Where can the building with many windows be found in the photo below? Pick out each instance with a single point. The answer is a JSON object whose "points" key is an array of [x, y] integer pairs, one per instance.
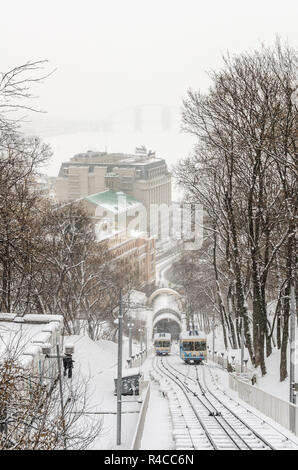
{"points": [[137, 251], [142, 176], [115, 224]]}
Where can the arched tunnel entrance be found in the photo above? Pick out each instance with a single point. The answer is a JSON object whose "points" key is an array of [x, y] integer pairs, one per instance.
{"points": [[167, 325], [167, 307]]}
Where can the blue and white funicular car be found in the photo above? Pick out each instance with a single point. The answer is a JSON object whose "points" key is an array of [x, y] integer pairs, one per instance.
{"points": [[193, 347]]}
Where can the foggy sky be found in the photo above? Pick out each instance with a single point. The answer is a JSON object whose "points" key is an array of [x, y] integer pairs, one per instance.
{"points": [[113, 54]]}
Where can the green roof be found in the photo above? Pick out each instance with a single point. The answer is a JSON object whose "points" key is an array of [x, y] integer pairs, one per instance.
{"points": [[111, 199]]}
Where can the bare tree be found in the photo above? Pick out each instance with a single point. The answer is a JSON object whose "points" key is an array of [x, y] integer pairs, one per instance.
{"points": [[30, 414], [244, 173]]}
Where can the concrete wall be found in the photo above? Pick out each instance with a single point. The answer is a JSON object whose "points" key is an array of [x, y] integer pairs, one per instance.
{"points": [[137, 439], [280, 411]]}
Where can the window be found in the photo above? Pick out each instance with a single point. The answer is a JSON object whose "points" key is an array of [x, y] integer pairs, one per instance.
{"points": [[200, 345], [194, 345], [162, 344]]}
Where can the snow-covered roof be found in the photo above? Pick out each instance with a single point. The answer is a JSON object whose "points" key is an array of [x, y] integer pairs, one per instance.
{"points": [[136, 297], [114, 202], [7, 316], [24, 336], [38, 318], [42, 337], [52, 326], [193, 335]]}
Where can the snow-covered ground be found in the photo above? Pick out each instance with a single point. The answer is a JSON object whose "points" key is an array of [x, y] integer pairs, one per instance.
{"points": [[222, 380], [157, 430], [162, 267], [97, 362], [270, 382]]}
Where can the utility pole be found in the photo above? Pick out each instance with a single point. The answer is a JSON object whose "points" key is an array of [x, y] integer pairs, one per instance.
{"points": [[46, 349], [61, 394], [119, 374], [292, 356], [213, 336], [141, 339], [141, 344], [292, 342], [242, 345], [130, 327]]}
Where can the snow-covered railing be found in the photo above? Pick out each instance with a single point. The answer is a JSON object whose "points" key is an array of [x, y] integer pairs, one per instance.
{"points": [[280, 411], [223, 362], [136, 442], [138, 361]]}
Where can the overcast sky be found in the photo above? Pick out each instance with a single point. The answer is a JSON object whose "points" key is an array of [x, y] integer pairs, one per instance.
{"points": [[114, 54]]}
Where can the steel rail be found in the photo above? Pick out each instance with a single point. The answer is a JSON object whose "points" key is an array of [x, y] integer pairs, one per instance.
{"points": [[255, 433], [216, 414], [186, 425]]}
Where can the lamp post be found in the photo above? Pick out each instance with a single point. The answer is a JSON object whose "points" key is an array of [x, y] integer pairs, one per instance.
{"points": [[119, 371], [130, 327], [69, 350], [292, 356], [213, 335], [242, 345], [141, 344], [141, 338]]}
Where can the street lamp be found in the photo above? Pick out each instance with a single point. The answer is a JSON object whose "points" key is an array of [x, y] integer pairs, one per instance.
{"points": [[292, 338], [213, 336], [242, 344], [130, 327], [119, 371], [68, 365], [141, 331], [146, 341]]}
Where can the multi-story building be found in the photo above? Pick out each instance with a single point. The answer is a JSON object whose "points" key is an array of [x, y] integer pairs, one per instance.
{"points": [[112, 225], [115, 210], [144, 177], [137, 251]]}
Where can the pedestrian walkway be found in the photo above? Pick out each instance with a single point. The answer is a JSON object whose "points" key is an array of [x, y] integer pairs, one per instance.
{"points": [[157, 434]]}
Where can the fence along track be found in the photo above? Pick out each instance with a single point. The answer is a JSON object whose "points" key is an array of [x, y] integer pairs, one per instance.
{"points": [[273, 439], [281, 441], [245, 432], [209, 419], [217, 427]]}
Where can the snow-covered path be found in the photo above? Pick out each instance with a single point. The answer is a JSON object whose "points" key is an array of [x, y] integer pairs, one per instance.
{"points": [[97, 363], [157, 434], [162, 267]]}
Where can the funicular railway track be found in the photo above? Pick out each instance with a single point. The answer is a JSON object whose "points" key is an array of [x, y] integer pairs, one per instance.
{"points": [[277, 439], [203, 420]]}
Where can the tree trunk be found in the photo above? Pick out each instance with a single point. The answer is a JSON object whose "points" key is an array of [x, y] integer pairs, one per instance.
{"points": [[290, 274]]}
